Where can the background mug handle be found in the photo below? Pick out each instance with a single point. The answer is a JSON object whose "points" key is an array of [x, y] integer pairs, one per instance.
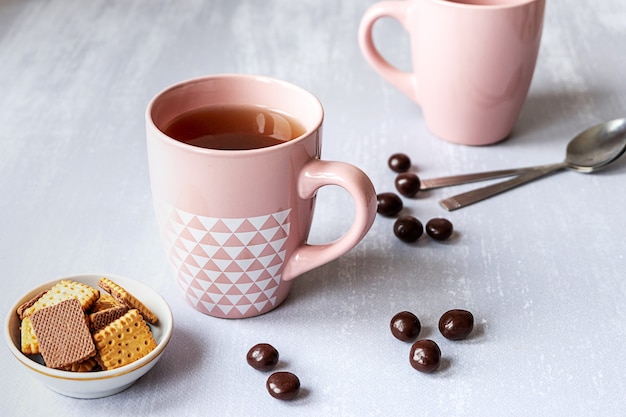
{"points": [[316, 174], [402, 80]]}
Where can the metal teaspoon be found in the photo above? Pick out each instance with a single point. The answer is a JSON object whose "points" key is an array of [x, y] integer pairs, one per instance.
{"points": [[590, 150]]}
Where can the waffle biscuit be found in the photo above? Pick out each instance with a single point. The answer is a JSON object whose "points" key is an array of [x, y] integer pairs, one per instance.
{"points": [[124, 341], [65, 290], [29, 343], [63, 335], [88, 365], [29, 303], [127, 299], [101, 318]]}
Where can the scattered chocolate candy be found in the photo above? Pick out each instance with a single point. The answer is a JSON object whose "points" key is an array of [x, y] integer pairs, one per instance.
{"points": [[425, 356], [439, 229], [283, 385], [405, 326], [408, 229], [399, 162], [389, 204], [262, 356], [456, 324], [407, 184]]}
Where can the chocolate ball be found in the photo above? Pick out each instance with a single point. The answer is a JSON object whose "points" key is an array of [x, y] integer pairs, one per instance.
{"points": [[262, 356], [425, 356], [408, 229], [439, 229], [283, 385], [405, 326], [389, 204], [399, 162], [456, 324], [407, 184]]}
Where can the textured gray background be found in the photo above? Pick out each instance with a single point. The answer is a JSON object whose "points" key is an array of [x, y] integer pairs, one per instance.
{"points": [[542, 267]]}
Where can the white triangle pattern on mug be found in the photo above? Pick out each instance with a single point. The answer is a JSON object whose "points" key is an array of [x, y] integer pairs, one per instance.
{"points": [[230, 264]]}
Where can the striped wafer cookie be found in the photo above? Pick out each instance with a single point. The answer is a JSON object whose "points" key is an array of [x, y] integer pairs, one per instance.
{"points": [[124, 341], [88, 365], [104, 311], [29, 303], [65, 290], [63, 335], [101, 318], [127, 299]]}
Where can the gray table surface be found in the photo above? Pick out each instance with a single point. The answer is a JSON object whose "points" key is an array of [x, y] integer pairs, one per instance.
{"points": [[542, 267]]}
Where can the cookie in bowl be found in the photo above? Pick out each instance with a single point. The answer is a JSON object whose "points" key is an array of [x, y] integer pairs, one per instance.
{"points": [[89, 335]]}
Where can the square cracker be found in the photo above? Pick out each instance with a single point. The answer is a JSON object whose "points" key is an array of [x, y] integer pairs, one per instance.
{"points": [[64, 338], [65, 290], [127, 299], [124, 341], [105, 302], [29, 343]]}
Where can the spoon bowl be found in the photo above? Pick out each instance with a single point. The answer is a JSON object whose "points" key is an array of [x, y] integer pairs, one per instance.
{"points": [[597, 146]]}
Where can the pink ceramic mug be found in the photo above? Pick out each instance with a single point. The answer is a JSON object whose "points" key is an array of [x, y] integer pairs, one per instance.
{"points": [[473, 61], [235, 222]]}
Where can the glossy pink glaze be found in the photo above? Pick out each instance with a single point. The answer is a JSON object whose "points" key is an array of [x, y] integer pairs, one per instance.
{"points": [[235, 223], [473, 62]]}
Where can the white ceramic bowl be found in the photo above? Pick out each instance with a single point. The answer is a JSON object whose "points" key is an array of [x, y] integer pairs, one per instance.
{"points": [[98, 383]]}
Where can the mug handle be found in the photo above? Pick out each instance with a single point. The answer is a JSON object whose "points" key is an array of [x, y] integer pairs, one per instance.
{"points": [[314, 175], [403, 81]]}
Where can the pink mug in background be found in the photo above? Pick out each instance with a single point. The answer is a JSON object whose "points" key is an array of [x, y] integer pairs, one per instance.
{"points": [[235, 223], [473, 62]]}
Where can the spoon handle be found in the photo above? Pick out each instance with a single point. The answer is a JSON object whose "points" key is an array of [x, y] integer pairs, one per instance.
{"points": [[474, 196], [431, 183]]}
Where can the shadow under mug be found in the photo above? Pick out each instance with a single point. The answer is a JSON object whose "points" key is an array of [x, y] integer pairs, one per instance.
{"points": [[473, 62], [235, 223]]}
